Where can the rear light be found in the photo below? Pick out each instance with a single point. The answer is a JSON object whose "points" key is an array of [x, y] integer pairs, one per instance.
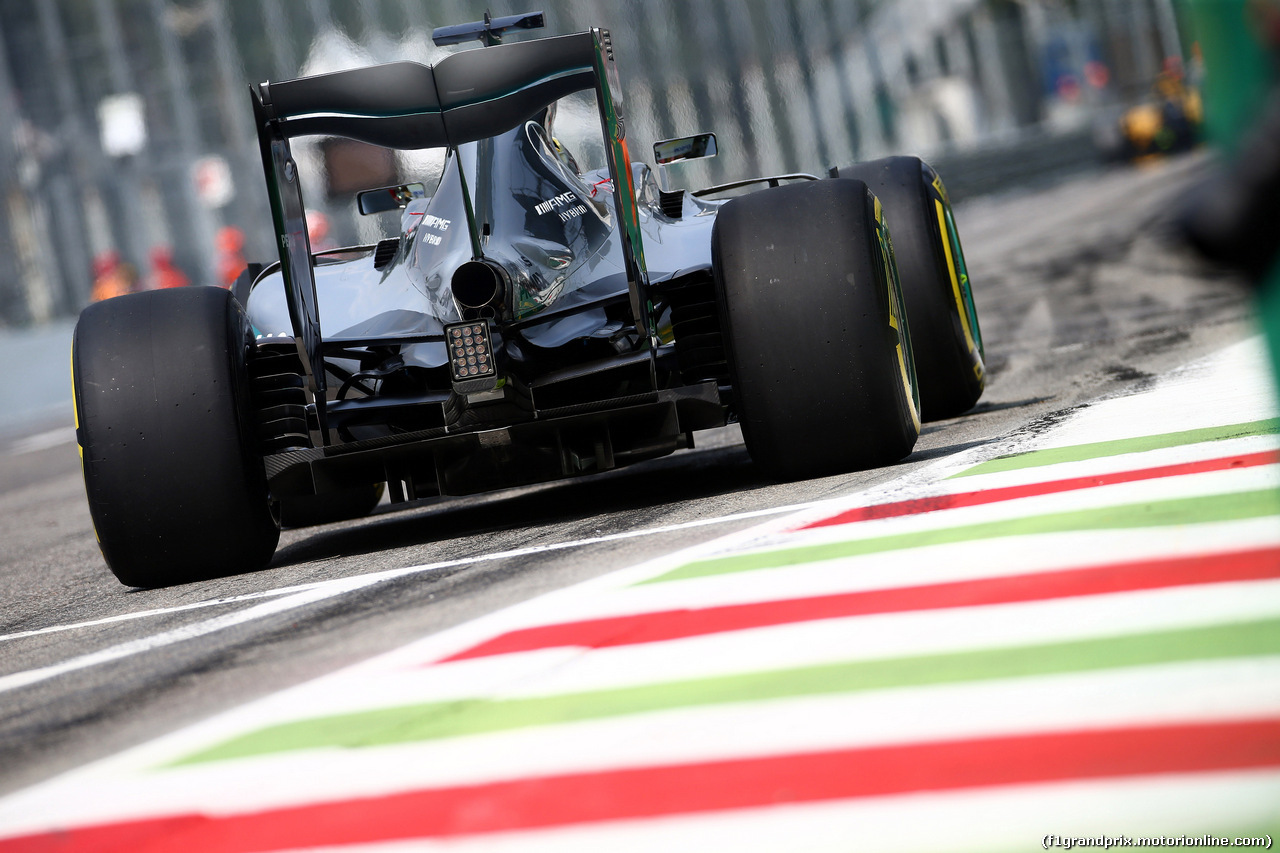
{"points": [[471, 362]]}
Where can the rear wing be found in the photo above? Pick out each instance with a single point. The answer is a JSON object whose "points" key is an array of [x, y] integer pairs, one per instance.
{"points": [[465, 97]]}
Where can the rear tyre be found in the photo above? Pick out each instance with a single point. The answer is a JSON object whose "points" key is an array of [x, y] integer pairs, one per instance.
{"points": [[244, 283], [310, 510], [815, 332], [175, 484], [935, 282]]}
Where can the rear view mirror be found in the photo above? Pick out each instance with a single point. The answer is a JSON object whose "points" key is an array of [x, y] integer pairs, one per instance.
{"points": [[685, 148], [389, 198]]}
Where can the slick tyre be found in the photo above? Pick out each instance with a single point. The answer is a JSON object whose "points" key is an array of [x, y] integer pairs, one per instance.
{"points": [[816, 336], [244, 283], [935, 282], [175, 484], [310, 510]]}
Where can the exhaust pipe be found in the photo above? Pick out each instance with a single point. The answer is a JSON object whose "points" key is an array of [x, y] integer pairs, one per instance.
{"points": [[479, 289]]}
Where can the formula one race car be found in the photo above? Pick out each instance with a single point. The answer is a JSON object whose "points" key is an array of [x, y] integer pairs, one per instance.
{"points": [[528, 322]]}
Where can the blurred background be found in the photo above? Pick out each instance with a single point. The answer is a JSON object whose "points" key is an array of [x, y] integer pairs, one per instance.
{"points": [[127, 146]]}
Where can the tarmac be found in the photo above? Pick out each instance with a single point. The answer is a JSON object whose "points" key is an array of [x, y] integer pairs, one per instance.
{"points": [[1072, 633]]}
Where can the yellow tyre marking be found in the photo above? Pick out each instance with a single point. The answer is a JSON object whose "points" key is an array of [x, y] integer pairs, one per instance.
{"points": [[894, 308], [942, 191], [955, 282], [75, 406], [902, 364], [75, 414]]}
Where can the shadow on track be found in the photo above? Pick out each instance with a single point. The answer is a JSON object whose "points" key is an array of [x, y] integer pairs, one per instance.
{"points": [[644, 487]]}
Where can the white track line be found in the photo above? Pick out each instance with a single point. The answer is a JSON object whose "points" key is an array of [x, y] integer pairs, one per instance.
{"points": [[168, 638], [161, 611], [304, 594]]}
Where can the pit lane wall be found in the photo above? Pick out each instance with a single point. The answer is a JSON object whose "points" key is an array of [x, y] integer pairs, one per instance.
{"points": [[1072, 633]]}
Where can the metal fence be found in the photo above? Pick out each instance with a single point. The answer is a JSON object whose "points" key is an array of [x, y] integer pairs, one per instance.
{"points": [[129, 128]]}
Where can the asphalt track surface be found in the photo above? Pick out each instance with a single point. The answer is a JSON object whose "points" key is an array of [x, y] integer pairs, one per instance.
{"points": [[1081, 296]]}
